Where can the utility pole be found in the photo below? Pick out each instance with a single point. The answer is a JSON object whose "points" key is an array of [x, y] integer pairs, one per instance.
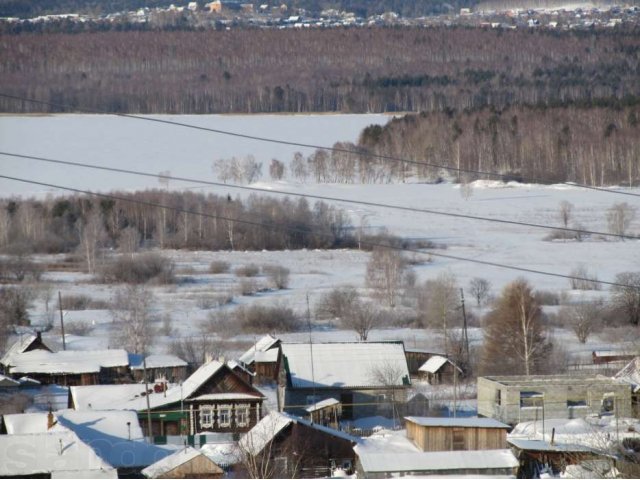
{"points": [[464, 330], [64, 344], [146, 388], [313, 378]]}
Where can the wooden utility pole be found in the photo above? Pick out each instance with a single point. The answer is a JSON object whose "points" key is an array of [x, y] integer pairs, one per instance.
{"points": [[464, 330], [64, 344]]}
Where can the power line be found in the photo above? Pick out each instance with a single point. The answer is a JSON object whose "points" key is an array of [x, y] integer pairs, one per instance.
{"points": [[317, 197], [319, 233], [302, 145]]}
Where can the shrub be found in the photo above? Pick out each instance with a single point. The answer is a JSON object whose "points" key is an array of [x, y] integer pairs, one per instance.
{"points": [[214, 300], [147, 267], [82, 302], [250, 286], [219, 266], [250, 270], [260, 319], [278, 276], [585, 280], [81, 328], [546, 297]]}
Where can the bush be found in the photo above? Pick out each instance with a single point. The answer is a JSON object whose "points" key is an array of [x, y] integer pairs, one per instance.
{"points": [[219, 266], [147, 267], [546, 297], [585, 280], [278, 276], [81, 328], [250, 286], [82, 302], [214, 300], [250, 270], [260, 319]]}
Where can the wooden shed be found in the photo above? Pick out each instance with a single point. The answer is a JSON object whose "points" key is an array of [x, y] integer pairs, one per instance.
{"points": [[433, 434], [185, 463]]}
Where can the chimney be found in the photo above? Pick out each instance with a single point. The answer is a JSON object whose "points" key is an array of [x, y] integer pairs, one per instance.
{"points": [[39, 336]]}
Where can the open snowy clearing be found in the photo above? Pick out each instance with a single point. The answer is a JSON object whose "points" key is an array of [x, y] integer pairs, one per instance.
{"points": [[144, 146]]}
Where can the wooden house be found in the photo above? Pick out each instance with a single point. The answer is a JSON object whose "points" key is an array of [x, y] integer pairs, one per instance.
{"points": [[27, 343], [167, 367], [185, 463], [262, 358], [416, 357], [535, 455], [367, 378], [242, 371], [611, 356], [434, 434], [438, 370], [285, 446], [212, 399]]}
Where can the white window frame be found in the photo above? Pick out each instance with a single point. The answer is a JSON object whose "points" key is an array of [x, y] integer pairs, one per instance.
{"points": [[229, 411], [243, 408], [206, 411]]}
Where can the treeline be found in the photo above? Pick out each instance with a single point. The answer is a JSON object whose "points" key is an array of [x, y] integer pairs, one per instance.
{"points": [[594, 146], [314, 70], [87, 225]]}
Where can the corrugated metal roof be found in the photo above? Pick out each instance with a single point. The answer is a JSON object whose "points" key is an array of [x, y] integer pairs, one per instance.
{"points": [[475, 422], [346, 365], [437, 461]]}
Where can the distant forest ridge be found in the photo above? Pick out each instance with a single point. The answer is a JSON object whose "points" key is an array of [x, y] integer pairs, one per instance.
{"points": [[363, 8], [317, 70]]}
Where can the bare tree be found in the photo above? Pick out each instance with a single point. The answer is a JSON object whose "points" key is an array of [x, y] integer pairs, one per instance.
{"points": [[298, 167], [131, 313], [479, 288], [515, 340], [129, 240], [389, 375], [362, 317], [582, 279], [222, 170], [385, 274], [276, 169], [619, 217], [565, 211], [627, 295], [278, 276], [92, 237], [440, 305], [336, 303], [251, 170], [583, 318]]}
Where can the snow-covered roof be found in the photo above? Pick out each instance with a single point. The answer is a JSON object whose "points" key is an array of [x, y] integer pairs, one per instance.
{"points": [[262, 345], [61, 454], [225, 396], [20, 346], [177, 393], [435, 363], [223, 454], [232, 364], [543, 446], [270, 356], [104, 397], [8, 382], [266, 430], [346, 365], [436, 461], [155, 361], [630, 374], [68, 361], [322, 404], [173, 461], [470, 422]]}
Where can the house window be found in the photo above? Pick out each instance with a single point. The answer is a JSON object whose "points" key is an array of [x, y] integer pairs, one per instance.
{"points": [[224, 415], [531, 399], [242, 414], [206, 416]]}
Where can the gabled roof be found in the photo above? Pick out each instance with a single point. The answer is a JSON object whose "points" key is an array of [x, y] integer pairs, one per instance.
{"points": [[176, 459], [346, 365], [155, 361], [103, 397], [21, 346], [61, 454], [8, 382], [254, 441], [437, 461], [468, 422], [68, 361], [435, 363], [262, 345], [630, 374]]}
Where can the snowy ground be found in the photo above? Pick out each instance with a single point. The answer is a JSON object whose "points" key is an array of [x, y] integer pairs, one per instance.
{"points": [[145, 146]]}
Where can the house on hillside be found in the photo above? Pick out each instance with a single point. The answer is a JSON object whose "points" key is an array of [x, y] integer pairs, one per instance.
{"points": [[438, 370], [368, 378], [262, 358], [435, 434], [518, 398], [71, 367], [168, 367], [212, 399], [285, 446]]}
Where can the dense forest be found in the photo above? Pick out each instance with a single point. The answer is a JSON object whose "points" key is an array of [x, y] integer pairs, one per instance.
{"points": [[333, 70], [593, 146]]}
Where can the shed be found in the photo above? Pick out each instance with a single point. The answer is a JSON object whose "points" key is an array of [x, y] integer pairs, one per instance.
{"points": [[416, 357], [185, 463], [169, 367], [432, 434], [326, 412], [535, 454], [439, 369]]}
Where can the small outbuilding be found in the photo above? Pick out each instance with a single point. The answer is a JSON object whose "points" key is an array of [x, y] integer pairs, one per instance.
{"points": [[185, 463], [435, 434], [439, 370]]}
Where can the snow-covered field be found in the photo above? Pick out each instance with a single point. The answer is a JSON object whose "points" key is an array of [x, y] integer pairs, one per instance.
{"points": [[153, 148]]}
